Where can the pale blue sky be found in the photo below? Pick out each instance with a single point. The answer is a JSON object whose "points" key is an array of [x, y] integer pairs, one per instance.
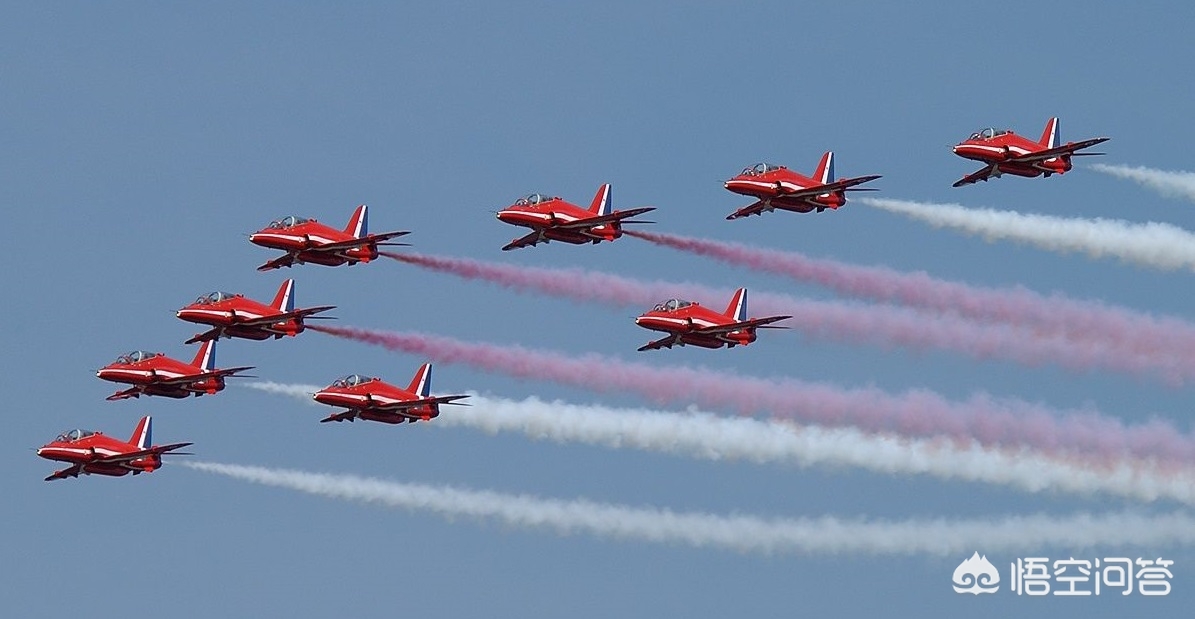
{"points": [[141, 141]]}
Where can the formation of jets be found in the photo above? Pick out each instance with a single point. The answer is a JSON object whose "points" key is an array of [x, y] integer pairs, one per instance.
{"points": [[305, 240]]}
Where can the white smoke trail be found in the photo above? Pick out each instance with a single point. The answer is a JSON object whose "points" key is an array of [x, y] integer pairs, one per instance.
{"points": [[1152, 244], [708, 436], [824, 535], [1165, 182]]}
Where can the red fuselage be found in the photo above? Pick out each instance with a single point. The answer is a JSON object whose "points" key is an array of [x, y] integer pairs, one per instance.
{"points": [[688, 317], [997, 146], [375, 400], [547, 215], [303, 238], [157, 374], [92, 446], [769, 184]]}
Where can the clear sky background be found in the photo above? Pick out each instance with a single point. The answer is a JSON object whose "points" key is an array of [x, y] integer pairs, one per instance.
{"points": [[141, 142]]}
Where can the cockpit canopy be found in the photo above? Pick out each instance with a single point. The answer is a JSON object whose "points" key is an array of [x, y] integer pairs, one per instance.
{"points": [[73, 435], [352, 380], [214, 297], [287, 222], [760, 168], [533, 199], [987, 134], [135, 356], [671, 305]]}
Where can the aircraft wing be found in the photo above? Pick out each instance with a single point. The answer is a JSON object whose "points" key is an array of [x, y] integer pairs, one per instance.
{"points": [[278, 263], [736, 326], [351, 243], [975, 177], [664, 342], [72, 471], [1065, 149], [750, 209], [284, 316], [408, 404], [191, 378], [349, 415], [140, 453], [838, 185], [590, 222], [124, 395], [211, 334], [529, 240]]}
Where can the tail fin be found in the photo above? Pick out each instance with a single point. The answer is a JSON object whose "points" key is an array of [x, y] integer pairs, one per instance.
{"points": [[825, 169], [601, 201], [143, 433], [1051, 136], [359, 222], [421, 384], [206, 357], [284, 301], [738, 306]]}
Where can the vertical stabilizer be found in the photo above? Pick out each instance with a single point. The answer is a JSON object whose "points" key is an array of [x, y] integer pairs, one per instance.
{"points": [[737, 310], [421, 384], [359, 222], [206, 357], [284, 301], [825, 169], [1050, 137], [601, 201], [143, 433]]}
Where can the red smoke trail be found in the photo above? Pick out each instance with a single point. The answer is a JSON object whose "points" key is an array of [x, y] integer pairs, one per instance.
{"points": [[1139, 332], [981, 418], [885, 325]]}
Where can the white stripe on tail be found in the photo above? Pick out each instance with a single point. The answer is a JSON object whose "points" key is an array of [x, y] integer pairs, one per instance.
{"points": [[738, 306], [421, 384], [206, 357], [825, 169], [1050, 137], [359, 222], [601, 201], [143, 433], [284, 301]]}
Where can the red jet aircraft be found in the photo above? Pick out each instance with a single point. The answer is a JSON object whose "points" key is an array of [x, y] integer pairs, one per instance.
{"points": [[687, 322], [375, 400], [553, 219], [232, 315], [1005, 152], [777, 187], [307, 240], [94, 453], [153, 373]]}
